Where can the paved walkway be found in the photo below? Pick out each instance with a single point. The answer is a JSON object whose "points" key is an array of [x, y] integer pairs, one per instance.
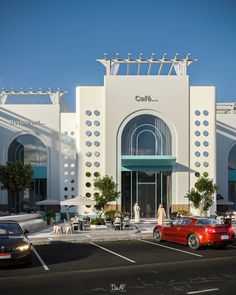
{"points": [[47, 235]]}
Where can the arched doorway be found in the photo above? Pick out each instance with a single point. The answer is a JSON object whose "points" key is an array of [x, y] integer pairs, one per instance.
{"points": [[232, 175], [30, 150], [146, 165]]}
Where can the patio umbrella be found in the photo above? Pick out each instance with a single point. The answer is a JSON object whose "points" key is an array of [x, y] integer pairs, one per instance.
{"points": [[78, 201], [49, 202]]}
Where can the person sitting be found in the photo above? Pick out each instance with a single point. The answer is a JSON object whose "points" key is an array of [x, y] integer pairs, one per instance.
{"points": [[75, 222]]}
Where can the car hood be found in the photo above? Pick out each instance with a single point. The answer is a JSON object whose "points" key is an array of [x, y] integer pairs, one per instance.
{"points": [[13, 241]]}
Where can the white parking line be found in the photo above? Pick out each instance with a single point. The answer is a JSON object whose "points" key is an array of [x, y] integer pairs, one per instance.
{"points": [[132, 261], [198, 255], [203, 291], [40, 259], [88, 236], [133, 235], [231, 246]]}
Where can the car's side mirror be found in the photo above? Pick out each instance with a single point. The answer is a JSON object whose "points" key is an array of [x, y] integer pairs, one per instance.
{"points": [[26, 231]]}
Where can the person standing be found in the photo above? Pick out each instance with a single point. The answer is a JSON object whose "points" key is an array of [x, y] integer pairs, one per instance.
{"points": [[161, 215], [136, 213]]}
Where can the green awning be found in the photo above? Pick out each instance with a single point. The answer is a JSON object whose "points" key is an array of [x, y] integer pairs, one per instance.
{"points": [[142, 162]]}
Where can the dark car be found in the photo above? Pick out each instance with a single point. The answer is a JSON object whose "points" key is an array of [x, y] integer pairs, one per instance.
{"points": [[195, 232], [15, 247]]}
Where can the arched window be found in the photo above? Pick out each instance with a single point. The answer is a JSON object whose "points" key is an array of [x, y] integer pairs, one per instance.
{"points": [[146, 135], [29, 150]]}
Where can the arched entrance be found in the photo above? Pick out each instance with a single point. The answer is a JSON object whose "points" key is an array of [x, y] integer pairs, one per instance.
{"points": [[30, 150], [146, 165], [232, 176]]}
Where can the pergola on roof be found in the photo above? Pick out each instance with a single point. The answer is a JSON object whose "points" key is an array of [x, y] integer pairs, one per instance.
{"points": [[178, 66]]}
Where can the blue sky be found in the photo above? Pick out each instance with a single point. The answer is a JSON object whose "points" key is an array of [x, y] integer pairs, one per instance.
{"points": [[55, 43]]}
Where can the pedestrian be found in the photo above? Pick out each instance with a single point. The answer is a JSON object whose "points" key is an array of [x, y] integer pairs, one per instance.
{"points": [[161, 215]]}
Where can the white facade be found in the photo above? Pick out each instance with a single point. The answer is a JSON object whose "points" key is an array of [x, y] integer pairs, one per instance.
{"points": [[152, 133]]}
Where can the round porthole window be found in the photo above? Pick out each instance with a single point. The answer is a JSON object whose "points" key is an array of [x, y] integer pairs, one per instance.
{"points": [[197, 143], [96, 113], [205, 164], [205, 113], [88, 184], [65, 196], [72, 165], [197, 133], [88, 164], [197, 174], [66, 173], [205, 154], [197, 164], [197, 154], [205, 133], [197, 123], [66, 133], [96, 154], [88, 133], [88, 154], [96, 143], [96, 133], [66, 165], [96, 123], [205, 143], [197, 113], [66, 188], [88, 195], [88, 113], [96, 174], [72, 180], [96, 164], [88, 143], [72, 133], [88, 123], [205, 123]]}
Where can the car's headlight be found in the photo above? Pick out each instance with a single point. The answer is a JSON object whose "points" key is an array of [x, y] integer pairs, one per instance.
{"points": [[23, 247]]}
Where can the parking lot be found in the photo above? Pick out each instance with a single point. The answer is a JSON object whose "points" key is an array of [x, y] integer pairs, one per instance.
{"points": [[128, 266]]}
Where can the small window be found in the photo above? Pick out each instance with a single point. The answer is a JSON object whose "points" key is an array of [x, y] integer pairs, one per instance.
{"points": [[205, 133], [96, 123], [197, 133], [88, 123], [96, 133], [96, 113], [88, 113], [205, 113], [197, 113], [197, 143], [88, 133], [197, 154], [197, 123], [205, 143], [205, 154], [186, 221], [96, 143], [205, 123]]}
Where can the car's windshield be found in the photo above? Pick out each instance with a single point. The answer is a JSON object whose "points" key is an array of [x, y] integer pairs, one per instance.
{"points": [[207, 221], [8, 229]]}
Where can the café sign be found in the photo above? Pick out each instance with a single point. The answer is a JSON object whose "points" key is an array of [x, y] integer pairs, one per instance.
{"points": [[146, 98], [25, 123]]}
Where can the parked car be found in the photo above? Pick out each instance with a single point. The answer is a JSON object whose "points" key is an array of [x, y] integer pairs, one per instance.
{"points": [[196, 232], [15, 247]]}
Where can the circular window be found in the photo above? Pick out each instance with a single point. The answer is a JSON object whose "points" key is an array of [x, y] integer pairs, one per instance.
{"points": [[205, 123], [65, 157], [66, 165], [96, 154], [72, 189], [88, 123], [88, 174], [205, 154], [96, 113], [72, 133], [72, 173], [197, 123], [197, 113], [88, 184], [96, 133], [197, 154], [88, 133], [88, 113], [96, 143], [88, 164], [66, 173], [72, 196], [205, 164], [205, 133], [66, 180], [72, 165], [96, 164], [197, 143], [88, 143], [205, 113], [66, 188], [88, 154], [197, 174], [66, 133], [72, 180], [96, 174], [65, 196], [88, 195], [205, 143], [72, 157], [197, 133], [197, 164], [96, 123], [96, 194]]}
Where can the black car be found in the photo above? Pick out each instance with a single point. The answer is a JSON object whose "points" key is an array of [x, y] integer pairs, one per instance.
{"points": [[15, 247]]}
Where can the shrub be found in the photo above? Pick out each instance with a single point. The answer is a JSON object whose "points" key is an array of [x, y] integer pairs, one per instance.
{"points": [[110, 215], [98, 221]]}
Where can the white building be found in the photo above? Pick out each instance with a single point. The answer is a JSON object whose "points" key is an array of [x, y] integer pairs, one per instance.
{"points": [[146, 127]]}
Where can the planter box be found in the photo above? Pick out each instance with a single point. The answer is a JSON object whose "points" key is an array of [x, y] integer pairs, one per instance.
{"points": [[94, 226]]}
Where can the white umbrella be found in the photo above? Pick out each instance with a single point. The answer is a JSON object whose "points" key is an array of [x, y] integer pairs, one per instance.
{"points": [[78, 201], [48, 202]]}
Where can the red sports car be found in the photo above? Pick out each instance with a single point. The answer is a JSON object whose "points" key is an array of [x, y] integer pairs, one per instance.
{"points": [[196, 232]]}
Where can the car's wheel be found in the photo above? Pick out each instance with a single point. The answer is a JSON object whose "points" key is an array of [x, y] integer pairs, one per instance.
{"points": [[158, 235], [193, 242]]}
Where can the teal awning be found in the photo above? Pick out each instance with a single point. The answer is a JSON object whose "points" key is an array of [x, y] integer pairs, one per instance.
{"points": [[232, 175], [142, 162], [40, 172]]}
